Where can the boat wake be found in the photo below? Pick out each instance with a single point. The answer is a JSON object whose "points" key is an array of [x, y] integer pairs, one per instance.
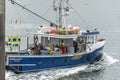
{"points": [[105, 61], [109, 60], [56, 74]]}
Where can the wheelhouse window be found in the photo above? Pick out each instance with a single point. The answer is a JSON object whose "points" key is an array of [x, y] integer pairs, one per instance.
{"points": [[91, 39]]}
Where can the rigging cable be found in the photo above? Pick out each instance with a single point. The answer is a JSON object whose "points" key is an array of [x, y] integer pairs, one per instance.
{"points": [[49, 7], [27, 30], [77, 13], [23, 21], [45, 13], [13, 2]]}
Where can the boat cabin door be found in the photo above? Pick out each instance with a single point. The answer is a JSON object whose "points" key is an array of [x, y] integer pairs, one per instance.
{"points": [[81, 41]]}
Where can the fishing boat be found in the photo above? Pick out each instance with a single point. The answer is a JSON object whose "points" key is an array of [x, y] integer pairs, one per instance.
{"points": [[57, 46]]}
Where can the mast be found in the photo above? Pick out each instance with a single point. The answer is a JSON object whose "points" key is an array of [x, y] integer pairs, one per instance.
{"points": [[60, 13], [2, 39], [63, 11]]}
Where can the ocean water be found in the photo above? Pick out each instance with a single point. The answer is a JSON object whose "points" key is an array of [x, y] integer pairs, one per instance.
{"points": [[108, 68]]}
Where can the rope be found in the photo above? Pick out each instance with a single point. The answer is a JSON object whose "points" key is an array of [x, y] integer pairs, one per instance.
{"points": [[77, 13]]}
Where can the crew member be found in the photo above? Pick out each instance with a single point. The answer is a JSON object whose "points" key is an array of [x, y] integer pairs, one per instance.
{"points": [[9, 43], [19, 38], [62, 46], [9, 38], [16, 43], [36, 41], [14, 38], [51, 49]]}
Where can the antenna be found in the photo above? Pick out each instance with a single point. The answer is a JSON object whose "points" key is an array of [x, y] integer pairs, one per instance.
{"points": [[63, 11]]}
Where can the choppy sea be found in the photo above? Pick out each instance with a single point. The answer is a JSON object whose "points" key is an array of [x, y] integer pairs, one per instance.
{"points": [[108, 68]]}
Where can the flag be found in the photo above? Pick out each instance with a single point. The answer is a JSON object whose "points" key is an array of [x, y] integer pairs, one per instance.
{"points": [[11, 21]]}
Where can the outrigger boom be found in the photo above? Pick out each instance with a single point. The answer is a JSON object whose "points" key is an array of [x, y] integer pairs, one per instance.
{"points": [[14, 2]]}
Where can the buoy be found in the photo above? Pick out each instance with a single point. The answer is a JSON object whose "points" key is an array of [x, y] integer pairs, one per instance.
{"points": [[76, 29], [70, 27], [53, 31]]}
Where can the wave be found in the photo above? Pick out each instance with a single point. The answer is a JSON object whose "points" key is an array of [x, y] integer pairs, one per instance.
{"points": [[109, 60]]}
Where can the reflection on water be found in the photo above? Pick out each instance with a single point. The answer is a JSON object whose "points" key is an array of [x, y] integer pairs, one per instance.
{"points": [[86, 72]]}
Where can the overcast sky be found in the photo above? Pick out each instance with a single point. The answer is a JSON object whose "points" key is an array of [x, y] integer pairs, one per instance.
{"points": [[103, 14]]}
